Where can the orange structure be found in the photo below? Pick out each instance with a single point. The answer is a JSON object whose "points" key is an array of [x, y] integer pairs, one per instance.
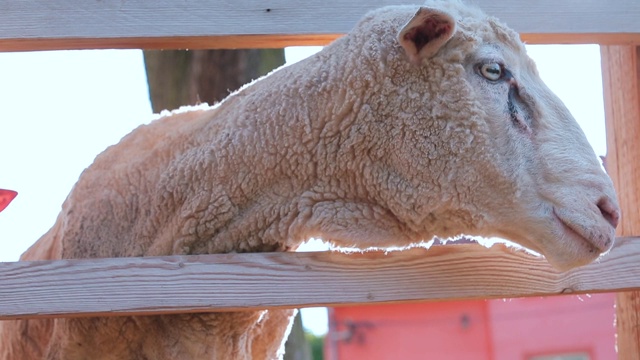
{"points": [[6, 196], [558, 328]]}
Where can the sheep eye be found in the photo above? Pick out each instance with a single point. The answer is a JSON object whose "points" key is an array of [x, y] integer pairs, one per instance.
{"points": [[491, 71]]}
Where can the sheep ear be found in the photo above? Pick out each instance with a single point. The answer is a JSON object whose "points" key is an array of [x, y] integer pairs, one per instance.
{"points": [[5, 198], [425, 34]]}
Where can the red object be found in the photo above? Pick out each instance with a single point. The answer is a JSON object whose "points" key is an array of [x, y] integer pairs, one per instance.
{"points": [[6, 196], [562, 327]]}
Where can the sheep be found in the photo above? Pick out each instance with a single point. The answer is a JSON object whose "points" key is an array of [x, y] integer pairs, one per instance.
{"points": [[423, 121]]}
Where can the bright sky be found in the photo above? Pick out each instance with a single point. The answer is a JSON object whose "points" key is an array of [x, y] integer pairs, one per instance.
{"points": [[60, 109]]}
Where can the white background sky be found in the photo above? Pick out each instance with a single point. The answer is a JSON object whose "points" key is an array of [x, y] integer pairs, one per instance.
{"points": [[58, 110]]}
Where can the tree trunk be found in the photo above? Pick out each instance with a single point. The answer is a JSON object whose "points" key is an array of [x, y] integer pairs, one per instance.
{"points": [[179, 77], [297, 347]]}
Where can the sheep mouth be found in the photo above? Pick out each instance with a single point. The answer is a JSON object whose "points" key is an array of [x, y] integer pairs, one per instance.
{"points": [[574, 234]]}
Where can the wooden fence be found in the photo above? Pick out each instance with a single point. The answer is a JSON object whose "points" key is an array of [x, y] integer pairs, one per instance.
{"points": [[227, 282], [240, 281], [81, 24]]}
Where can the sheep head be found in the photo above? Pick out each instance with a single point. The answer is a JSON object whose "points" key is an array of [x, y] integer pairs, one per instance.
{"points": [[481, 145]]}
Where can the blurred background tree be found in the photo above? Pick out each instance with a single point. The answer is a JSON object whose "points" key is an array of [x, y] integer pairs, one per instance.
{"points": [[181, 77]]}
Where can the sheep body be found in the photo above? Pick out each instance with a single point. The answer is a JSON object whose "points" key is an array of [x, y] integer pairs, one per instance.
{"points": [[373, 142]]}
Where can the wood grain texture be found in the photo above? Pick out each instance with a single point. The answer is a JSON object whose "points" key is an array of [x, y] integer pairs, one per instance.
{"points": [[81, 24], [621, 81], [225, 282]]}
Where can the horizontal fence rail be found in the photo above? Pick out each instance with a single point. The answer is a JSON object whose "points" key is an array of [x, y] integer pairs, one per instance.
{"points": [[81, 24], [229, 282]]}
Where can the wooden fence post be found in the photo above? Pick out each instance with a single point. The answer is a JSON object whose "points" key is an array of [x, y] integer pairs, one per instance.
{"points": [[621, 81]]}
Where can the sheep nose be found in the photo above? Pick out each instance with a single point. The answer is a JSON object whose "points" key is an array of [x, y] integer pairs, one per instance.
{"points": [[609, 211]]}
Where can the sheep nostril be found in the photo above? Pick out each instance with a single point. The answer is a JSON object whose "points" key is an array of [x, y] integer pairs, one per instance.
{"points": [[609, 211]]}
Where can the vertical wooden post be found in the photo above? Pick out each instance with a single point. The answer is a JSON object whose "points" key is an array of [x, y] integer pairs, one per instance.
{"points": [[621, 81]]}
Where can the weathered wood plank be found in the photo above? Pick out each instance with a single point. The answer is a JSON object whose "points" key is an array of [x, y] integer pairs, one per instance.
{"points": [[228, 282], [621, 80], [79, 24]]}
